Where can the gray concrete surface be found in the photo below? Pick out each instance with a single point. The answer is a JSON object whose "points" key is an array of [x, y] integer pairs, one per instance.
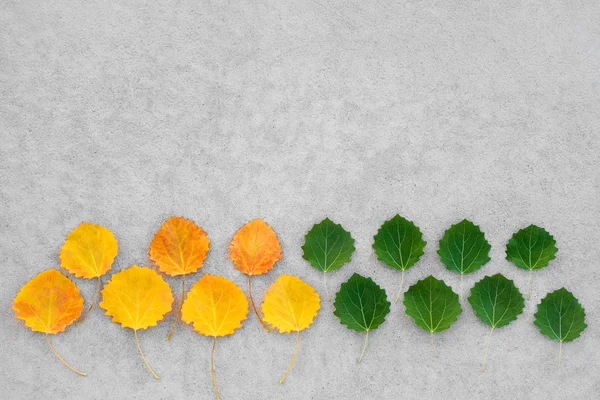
{"points": [[124, 113]]}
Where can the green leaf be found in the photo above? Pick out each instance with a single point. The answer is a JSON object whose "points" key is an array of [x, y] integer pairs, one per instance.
{"points": [[399, 244], [496, 301], [463, 248], [432, 305], [361, 305], [327, 246], [560, 317], [531, 248]]}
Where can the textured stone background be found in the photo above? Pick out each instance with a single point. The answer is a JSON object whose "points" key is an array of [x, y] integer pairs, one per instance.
{"points": [[225, 111]]}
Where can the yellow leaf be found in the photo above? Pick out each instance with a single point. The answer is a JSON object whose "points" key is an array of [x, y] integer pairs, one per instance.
{"points": [[88, 252], [137, 298], [215, 306], [290, 305], [49, 303], [254, 250], [179, 247]]}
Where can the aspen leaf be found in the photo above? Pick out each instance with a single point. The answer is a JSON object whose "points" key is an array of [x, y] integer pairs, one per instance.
{"points": [[361, 305], [432, 305], [215, 306], [464, 249], [560, 317], [327, 246], [89, 252], [49, 303], [531, 248], [290, 305], [399, 244], [179, 247], [496, 301], [137, 298], [254, 250]]}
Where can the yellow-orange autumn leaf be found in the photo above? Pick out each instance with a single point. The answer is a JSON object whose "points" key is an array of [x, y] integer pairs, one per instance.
{"points": [[179, 247], [89, 252], [137, 298], [215, 306], [49, 303], [290, 305], [254, 250]]}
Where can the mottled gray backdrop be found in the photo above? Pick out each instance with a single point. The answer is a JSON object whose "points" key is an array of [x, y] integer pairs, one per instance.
{"points": [[223, 111]]}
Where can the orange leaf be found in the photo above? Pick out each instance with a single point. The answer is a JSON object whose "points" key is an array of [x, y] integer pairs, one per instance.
{"points": [[137, 298], [49, 303], [179, 247], [255, 249], [216, 307]]}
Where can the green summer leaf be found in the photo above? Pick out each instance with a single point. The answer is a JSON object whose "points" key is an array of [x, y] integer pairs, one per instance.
{"points": [[399, 244], [531, 248], [327, 246], [361, 305], [560, 317], [432, 305], [497, 302], [463, 248]]}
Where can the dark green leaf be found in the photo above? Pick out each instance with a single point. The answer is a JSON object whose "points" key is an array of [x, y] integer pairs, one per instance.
{"points": [[327, 246], [361, 305], [463, 248], [531, 248], [399, 244], [496, 300]]}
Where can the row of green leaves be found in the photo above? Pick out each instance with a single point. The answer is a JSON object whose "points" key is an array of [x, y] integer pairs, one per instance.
{"points": [[362, 305]]}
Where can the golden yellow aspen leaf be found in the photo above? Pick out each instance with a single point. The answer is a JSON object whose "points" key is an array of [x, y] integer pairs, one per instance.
{"points": [[137, 298], [88, 252], [216, 307], [179, 247], [290, 305], [254, 250], [49, 303]]}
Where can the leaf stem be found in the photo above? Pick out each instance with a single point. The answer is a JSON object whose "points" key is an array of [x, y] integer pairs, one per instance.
{"points": [[92, 304], [400, 288], [460, 287], [293, 358], [142, 354], [364, 347], [487, 348], [325, 283], [212, 368], [61, 359], [254, 306], [178, 316], [433, 345], [559, 354], [529, 285]]}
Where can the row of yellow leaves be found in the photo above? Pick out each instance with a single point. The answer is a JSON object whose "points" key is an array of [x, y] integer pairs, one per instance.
{"points": [[138, 297]]}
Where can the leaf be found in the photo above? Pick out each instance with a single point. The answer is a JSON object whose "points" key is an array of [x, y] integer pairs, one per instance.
{"points": [[399, 244], [254, 250], [179, 247], [531, 248], [497, 302], [463, 249], [89, 252], [137, 298], [361, 305], [432, 305], [290, 305], [49, 303], [327, 246], [561, 317], [215, 306]]}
